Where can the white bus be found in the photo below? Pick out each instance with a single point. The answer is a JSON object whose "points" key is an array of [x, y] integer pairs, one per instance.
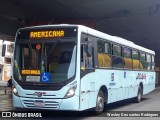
{"points": [[73, 67]]}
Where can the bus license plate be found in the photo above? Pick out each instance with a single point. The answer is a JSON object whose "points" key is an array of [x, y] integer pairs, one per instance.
{"points": [[39, 103]]}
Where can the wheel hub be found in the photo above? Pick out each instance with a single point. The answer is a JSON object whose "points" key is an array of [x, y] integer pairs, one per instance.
{"points": [[100, 103]]}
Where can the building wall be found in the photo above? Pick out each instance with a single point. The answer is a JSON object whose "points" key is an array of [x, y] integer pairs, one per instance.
{"points": [[1, 58], [1, 61], [5, 62]]}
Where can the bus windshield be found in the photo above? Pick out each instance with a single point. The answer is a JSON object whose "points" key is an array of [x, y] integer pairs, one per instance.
{"points": [[45, 61]]}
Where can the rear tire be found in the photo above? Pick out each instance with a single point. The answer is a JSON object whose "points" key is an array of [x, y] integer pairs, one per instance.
{"points": [[139, 95], [100, 103]]}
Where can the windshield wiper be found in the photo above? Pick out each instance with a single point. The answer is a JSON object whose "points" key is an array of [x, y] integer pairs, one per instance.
{"points": [[52, 48], [30, 48], [29, 45]]}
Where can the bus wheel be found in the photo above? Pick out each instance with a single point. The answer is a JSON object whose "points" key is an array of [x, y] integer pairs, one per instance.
{"points": [[139, 95], [99, 103]]}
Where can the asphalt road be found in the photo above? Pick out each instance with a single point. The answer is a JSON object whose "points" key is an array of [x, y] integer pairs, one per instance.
{"points": [[149, 103]]}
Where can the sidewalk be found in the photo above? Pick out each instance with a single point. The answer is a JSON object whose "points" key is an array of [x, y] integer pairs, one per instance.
{"points": [[4, 97], [5, 90], [5, 93], [3, 83]]}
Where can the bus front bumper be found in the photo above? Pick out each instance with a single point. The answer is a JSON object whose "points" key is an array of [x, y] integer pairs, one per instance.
{"points": [[69, 104]]}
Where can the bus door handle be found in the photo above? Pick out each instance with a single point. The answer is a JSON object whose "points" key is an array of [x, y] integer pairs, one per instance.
{"points": [[88, 91], [82, 91], [85, 91]]}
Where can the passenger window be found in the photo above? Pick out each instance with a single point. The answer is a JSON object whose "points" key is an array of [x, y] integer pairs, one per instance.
{"points": [[142, 56], [135, 55], [153, 63], [136, 62], [148, 61], [127, 58], [104, 58], [117, 61], [143, 62], [116, 50]]}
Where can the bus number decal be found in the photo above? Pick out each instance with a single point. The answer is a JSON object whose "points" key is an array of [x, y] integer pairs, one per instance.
{"points": [[141, 76], [112, 76], [124, 74]]}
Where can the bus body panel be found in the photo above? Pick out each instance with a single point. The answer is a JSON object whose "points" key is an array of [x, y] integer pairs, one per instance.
{"points": [[89, 91], [17, 102], [148, 88], [120, 86], [52, 104]]}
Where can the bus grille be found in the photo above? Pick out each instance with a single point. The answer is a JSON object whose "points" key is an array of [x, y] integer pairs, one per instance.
{"points": [[42, 104]]}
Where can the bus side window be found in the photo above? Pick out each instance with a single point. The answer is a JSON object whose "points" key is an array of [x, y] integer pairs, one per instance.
{"points": [[87, 55], [143, 61], [153, 63], [127, 58], [136, 62], [148, 57], [117, 61], [104, 58]]}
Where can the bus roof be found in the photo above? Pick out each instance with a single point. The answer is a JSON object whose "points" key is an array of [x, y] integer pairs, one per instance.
{"points": [[102, 35], [116, 39]]}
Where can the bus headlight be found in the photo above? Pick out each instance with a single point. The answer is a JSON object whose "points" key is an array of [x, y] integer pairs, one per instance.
{"points": [[14, 90], [71, 92]]}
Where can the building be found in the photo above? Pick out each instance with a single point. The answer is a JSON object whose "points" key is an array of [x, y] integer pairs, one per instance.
{"points": [[5, 61]]}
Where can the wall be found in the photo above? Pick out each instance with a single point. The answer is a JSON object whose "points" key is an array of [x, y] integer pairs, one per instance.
{"points": [[4, 65]]}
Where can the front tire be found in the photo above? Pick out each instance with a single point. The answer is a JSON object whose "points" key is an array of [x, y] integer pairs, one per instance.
{"points": [[100, 103]]}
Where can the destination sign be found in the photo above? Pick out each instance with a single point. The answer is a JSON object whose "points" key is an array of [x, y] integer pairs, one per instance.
{"points": [[31, 72], [46, 33]]}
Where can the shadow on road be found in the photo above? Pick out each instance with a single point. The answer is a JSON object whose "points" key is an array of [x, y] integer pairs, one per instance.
{"points": [[120, 104]]}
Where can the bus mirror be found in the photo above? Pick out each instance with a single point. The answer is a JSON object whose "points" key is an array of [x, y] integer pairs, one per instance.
{"points": [[3, 50]]}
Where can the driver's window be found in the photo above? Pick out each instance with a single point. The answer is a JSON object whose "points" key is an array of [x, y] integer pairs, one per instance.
{"points": [[87, 56]]}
